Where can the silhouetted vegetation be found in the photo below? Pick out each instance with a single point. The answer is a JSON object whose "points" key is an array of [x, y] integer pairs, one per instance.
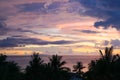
{"points": [[56, 65], [35, 69], [9, 70], [78, 69], [53, 70], [107, 67]]}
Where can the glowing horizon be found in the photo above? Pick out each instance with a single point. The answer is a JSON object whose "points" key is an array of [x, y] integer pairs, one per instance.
{"points": [[70, 27]]}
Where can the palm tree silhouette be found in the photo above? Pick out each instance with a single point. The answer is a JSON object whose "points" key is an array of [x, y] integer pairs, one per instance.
{"points": [[59, 72], [36, 60], [108, 55], [9, 70], [56, 63], [34, 71], [103, 68], [78, 67], [2, 58]]}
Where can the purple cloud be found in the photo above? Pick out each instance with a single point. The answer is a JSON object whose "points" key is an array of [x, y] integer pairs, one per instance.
{"points": [[22, 41], [107, 10], [32, 7], [106, 43], [87, 31], [115, 43], [41, 8]]}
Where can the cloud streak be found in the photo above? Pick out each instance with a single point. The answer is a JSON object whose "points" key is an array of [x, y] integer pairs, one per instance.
{"points": [[87, 31], [4, 29], [20, 41]]}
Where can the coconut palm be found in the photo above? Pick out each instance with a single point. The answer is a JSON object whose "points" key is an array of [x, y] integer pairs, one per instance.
{"points": [[103, 68], [56, 63], [57, 69], [9, 70], [108, 55], [35, 69], [2, 58], [78, 67]]}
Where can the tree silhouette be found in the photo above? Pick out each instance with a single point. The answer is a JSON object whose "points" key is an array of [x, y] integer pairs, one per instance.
{"points": [[78, 69], [104, 68], [56, 63], [34, 71], [59, 72], [107, 67], [108, 57], [2, 59], [9, 70]]}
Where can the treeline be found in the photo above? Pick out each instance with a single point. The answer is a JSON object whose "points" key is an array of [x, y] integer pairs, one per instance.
{"points": [[107, 67]]}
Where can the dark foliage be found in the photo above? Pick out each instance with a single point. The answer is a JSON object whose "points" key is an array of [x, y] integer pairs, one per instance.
{"points": [[53, 70], [35, 69], [9, 70], [78, 69], [105, 68], [56, 65]]}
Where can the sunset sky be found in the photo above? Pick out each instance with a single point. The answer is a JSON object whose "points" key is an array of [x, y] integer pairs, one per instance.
{"points": [[67, 27]]}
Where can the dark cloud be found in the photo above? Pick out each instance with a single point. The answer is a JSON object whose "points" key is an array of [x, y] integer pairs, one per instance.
{"points": [[32, 7], [107, 10], [3, 18], [106, 43], [88, 31], [18, 36], [4, 29], [54, 5], [22, 41], [115, 43], [61, 42], [40, 7], [22, 30]]}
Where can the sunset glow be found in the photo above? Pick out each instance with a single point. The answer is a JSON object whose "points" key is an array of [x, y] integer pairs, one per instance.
{"points": [[57, 27]]}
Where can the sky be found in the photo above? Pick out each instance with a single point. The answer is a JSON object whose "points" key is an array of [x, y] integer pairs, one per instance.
{"points": [[66, 27]]}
